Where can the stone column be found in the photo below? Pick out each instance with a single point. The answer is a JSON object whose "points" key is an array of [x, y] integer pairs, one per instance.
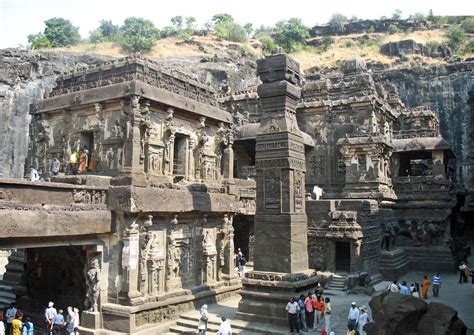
{"points": [[130, 254], [281, 254], [228, 163]]}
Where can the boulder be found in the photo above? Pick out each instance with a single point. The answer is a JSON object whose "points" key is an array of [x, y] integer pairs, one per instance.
{"points": [[397, 314]]}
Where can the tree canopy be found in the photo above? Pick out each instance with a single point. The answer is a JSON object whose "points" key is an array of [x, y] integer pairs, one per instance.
{"points": [[291, 34], [138, 35], [61, 33]]}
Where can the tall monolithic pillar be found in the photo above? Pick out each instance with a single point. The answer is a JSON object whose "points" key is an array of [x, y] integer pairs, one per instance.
{"points": [[281, 254]]}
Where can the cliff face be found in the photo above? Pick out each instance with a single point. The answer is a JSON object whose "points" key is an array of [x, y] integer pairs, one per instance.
{"points": [[25, 76], [444, 89]]}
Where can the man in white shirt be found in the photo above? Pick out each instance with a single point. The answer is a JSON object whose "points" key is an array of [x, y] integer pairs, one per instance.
{"points": [[293, 308], [353, 317], [9, 316], [34, 176], [394, 287], [224, 328], [49, 315]]}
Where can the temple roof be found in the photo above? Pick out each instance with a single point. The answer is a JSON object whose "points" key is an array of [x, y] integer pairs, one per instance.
{"points": [[420, 143]]}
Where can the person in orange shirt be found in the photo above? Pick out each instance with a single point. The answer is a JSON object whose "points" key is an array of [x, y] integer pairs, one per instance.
{"points": [[425, 285], [318, 306]]}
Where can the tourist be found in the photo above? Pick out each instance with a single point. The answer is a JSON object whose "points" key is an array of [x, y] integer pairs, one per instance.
{"points": [[302, 313], [27, 327], [2, 325], [309, 312], [54, 166], [471, 274], [204, 316], [350, 330], [425, 285], [327, 315], [404, 288], [72, 320], [363, 320], [58, 322], [462, 273], [72, 162], [242, 261], [353, 316], [293, 308], [82, 168], [436, 284], [49, 314], [393, 287], [16, 325], [318, 310], [10, 316], [224, 328], [34, 176], [414, 291]]}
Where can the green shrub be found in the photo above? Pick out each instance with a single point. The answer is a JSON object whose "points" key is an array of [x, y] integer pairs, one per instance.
{"points": [[337, 23], [38, 41], [468, 25], [326, 42], [347, 44], [456, 36], [393, 29], [168, 31], [268, 43], [231, 31]]}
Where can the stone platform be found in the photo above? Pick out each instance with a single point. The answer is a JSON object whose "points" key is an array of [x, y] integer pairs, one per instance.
{"points": [[265, 295], [394, 263]]}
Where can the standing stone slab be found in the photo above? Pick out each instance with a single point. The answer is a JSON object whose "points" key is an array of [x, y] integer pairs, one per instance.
{"points": [[281, 256]]}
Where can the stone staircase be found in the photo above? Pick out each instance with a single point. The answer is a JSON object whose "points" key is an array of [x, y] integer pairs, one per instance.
{"points": [[338, 283], [188, 323], [12, 277]]}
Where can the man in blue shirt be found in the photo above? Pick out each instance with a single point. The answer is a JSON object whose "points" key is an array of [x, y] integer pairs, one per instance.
{"points": [[302, 315], [436, 284], [58, 322], [404, 288]]}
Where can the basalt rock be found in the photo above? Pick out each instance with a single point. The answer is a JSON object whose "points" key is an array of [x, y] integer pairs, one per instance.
{"points": [[394, 314]]}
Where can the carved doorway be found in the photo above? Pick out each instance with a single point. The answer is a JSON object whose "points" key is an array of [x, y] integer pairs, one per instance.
{"points": [[87, 139], [343, 256], [180, 155], [243, 229]]}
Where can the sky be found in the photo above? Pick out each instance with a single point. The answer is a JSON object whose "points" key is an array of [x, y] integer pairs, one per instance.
{"points": [[19, 18]]}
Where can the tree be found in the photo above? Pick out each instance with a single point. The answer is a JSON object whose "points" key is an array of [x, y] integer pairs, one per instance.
{"points": [[38, 41], [397, 14], [108, 30], [61, 33], [96, 36], [291, 34], [248, 27], [177, 22], [268, 44], [456, 36], [221, 18], [468, 25], [190, 24], [231, 31], [138, 35], [337, 23]]}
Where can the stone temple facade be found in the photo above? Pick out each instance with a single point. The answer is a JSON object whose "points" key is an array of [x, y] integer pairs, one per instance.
{"points": [[333, 175]]}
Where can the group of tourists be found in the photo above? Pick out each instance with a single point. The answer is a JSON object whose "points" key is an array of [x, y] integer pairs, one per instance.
{"points": [[224, 328], [14, 322], [309, 312], [414, 289], [80, 162]]}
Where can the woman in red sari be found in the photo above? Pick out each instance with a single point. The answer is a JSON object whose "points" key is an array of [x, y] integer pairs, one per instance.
{"points": [[425, 285]]}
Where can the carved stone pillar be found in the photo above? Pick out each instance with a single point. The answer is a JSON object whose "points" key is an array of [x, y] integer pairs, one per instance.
{"points": [[130, 254], [229, 246], [228, 163], [191, 165], [281, 254]]}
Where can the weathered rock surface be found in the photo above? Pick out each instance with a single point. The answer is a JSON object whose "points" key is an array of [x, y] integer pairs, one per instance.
{"points": [[395, 314], [411, 47], [25, 76]]}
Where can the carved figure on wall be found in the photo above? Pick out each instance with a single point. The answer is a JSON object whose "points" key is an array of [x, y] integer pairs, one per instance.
{"points": [[92, 274], [99, 111], [155, 159], [388, 238], [374, 127], [117, 130]]}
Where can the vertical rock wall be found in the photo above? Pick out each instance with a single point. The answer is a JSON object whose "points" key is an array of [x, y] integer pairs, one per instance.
{"points": [[444, 89]]}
